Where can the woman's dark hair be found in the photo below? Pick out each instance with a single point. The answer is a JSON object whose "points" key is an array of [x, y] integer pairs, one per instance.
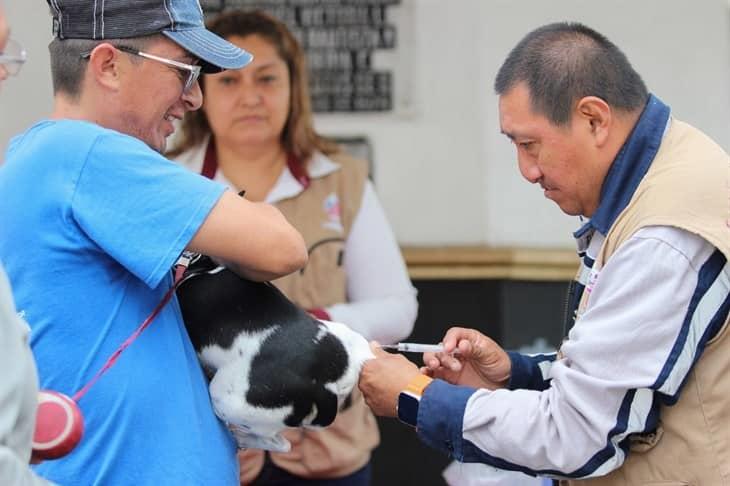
{"points": [[298, 136]]}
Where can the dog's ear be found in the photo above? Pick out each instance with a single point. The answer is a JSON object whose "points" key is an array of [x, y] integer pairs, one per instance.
{"points": [[326, 405], [247, 439]]}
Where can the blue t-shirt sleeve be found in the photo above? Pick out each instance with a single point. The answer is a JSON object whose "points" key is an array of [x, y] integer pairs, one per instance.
{"points": [[138, 207]]}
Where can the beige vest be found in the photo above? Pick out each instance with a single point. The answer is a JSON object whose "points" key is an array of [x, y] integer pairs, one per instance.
{"points": [[324, 213], [688, 187]]}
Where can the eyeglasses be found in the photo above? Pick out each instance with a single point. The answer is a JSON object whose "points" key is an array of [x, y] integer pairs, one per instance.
{"points": [[193, 72], [190, 71], [13, 57]]}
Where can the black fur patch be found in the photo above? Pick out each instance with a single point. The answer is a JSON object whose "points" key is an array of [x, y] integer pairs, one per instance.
{"points": [[292, 365]]}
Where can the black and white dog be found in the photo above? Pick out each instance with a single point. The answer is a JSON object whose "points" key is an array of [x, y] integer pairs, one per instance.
{"points": [[271, 364]]}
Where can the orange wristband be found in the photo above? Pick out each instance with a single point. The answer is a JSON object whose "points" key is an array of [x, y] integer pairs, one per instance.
{"points": [[418, 384]]}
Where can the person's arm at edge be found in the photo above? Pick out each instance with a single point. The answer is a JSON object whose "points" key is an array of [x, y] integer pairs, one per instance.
{"points": [[15, 424]]}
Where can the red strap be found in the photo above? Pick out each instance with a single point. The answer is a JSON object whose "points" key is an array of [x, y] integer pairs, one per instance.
{"points": [[210, 166], [320, 314], [179, 271], [210, 162], [297, 170]]}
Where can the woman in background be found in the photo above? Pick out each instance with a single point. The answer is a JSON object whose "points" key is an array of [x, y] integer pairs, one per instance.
{"points": [[255, 133]]}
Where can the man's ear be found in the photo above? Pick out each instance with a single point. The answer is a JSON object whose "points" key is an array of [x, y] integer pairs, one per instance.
{"points": [[597, 114], [105, 66]]}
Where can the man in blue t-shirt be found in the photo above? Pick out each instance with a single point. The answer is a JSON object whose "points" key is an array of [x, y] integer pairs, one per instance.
{"points": [[93, 218]]}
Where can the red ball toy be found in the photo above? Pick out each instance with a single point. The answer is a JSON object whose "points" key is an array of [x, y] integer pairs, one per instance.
{"points": [[59, 426]]}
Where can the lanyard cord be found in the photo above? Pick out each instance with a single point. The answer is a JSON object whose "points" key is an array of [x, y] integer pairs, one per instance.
{"points": [[180, 267]]}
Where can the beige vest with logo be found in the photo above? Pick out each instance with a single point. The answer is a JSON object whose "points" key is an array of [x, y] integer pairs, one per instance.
{"points": [[688, 187], [344, 446]]}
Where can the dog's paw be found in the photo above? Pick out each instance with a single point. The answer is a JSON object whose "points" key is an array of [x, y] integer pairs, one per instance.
{"points": [[246, 439]]}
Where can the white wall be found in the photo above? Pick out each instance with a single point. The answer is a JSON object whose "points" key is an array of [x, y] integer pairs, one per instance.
{"points": [[27, 97], [444, 173]]}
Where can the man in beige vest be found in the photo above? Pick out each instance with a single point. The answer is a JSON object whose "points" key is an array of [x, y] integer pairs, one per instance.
{"points": [[639, 392]]}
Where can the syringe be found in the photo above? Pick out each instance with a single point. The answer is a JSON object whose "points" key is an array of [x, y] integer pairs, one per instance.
{"points": [[414, 347]]}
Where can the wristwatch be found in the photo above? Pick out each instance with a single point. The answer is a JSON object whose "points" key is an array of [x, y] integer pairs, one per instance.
{"points": [[410, 398]]}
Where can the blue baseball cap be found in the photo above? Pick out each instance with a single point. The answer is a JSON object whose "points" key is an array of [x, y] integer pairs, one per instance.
{"points": [[179, 20]]}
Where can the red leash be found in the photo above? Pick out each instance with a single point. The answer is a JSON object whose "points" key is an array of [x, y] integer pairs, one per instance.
{"points": [[180, 268], [59, 423]]}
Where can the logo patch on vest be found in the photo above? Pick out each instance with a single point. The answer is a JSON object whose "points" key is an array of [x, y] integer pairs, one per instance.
{"points": [[590, 284], [592, 279], [333, 213]]}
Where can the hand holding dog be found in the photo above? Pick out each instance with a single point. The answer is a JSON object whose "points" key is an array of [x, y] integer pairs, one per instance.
{"points": [[383, 378]]}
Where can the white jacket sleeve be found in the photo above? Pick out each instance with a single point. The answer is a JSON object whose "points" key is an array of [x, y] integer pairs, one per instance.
{"points": [[381, 299], [628, 352]]}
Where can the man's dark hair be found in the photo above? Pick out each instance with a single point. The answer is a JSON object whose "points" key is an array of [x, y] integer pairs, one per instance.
{"points": [[563, 62], [68, 66]]}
